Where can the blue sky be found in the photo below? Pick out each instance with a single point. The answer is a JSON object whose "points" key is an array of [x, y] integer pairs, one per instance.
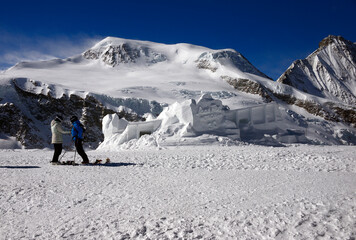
{"points": [[270, 34]]}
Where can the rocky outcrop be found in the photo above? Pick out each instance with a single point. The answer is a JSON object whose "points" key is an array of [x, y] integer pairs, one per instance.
{"points": [[345, 114], [248, 86], [115, 55], [206, 64], [14, 123]]}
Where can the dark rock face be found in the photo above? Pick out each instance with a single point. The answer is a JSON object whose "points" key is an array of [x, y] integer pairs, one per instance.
{"points": [[248, 86], [120, 54], [206, 64], [16, 124], [29, 119], [91, 54], [347, 115], [329, 111]]}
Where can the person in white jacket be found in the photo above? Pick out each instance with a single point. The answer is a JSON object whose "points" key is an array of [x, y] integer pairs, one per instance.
{"points": [[57, 137]]}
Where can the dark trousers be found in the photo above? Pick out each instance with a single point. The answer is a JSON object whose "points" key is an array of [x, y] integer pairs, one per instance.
{"points": [[80, 150], [57, 151]]}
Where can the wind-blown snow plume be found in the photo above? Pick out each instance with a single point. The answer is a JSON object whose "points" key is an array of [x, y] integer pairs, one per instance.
{"points": [[26, 49]]}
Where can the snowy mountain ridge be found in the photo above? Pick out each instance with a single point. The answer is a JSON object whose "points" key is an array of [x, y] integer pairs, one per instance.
{"points": [[117, 51], [129, 68], [328, 72], [131, 78]]}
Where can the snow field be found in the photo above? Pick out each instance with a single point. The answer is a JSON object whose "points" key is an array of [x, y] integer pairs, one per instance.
{"points": [[196, 192], [250, 157]]}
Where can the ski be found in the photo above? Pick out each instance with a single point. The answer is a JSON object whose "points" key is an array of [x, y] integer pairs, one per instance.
{"points": [[97, 162], [72, 163]]}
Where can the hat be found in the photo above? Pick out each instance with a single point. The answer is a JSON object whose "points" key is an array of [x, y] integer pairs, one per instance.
{"points": [[59, 118], [73, 118]]}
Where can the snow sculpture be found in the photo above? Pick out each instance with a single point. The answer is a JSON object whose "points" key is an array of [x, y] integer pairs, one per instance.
{"points": [[211, 116], [117, 131], [190, 119], [112, 125]]}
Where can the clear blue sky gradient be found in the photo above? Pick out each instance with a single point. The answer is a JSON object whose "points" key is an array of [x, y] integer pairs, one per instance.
{"points": [[270, 34]]}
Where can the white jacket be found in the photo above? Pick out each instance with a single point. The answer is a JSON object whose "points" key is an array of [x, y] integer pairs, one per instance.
{"points": [[57, 132]]}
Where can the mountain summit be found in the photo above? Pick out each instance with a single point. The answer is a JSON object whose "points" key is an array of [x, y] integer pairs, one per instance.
{"points": [[116, 51], [328, 72]]}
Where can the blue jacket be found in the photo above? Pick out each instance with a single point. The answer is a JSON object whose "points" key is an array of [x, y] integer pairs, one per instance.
{"points": [[77, 130]]}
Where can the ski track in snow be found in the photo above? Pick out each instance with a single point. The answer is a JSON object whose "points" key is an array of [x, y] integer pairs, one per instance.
{"points": [[190, 192]]}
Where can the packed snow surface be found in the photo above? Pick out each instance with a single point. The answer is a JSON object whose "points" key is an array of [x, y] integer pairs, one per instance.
{"points": [[196, 192]]}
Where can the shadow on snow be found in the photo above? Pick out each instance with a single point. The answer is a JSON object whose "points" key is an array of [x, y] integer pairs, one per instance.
{"points": [[20, 167], [121, 164]]}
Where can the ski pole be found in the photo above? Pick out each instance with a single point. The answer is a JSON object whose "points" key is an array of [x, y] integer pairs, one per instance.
{"points": [[62, 155], [75, 154]]}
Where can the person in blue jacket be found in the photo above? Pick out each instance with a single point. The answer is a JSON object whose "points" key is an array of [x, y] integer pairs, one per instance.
{"points": [[77, 136]]}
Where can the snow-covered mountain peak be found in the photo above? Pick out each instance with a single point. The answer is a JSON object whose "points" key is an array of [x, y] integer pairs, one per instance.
{"points": [[114, 51], [339, 46], [333, 39], [329, 72], [117, 51]]}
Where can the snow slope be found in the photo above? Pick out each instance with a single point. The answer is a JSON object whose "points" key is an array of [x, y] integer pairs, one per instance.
{"points": [[200, 192]]}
